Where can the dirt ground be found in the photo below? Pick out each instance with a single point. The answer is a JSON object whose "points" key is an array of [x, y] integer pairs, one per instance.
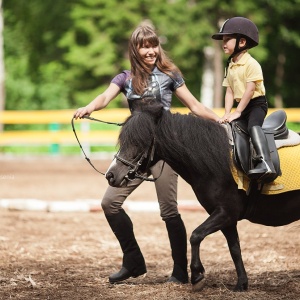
{"points": [[70, 255]]}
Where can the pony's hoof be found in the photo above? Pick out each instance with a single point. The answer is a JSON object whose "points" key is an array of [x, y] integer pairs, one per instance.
{"points": [[241, 287], [199, 283]]}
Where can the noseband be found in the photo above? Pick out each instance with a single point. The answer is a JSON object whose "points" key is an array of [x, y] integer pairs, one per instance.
{"points": [[132, 168]]}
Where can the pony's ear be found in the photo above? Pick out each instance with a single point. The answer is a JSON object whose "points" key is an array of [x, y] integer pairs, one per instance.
{"points": [[148, 105], [154, 108], [157, 111]]}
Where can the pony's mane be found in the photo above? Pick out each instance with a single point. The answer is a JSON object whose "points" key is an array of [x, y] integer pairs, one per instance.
{"points": [[199, 143], [139, 129]]}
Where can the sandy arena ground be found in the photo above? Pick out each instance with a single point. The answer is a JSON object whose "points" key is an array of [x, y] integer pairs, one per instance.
{"points": [[69, 255]]}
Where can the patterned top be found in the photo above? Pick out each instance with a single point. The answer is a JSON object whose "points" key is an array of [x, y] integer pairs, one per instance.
{"points": [[161, 86]]}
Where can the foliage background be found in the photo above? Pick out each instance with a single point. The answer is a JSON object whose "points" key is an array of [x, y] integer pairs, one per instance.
{"points": [[61, 54]]}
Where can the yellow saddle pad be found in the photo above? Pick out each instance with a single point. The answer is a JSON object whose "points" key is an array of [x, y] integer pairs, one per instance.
{"points": [[288, 181]]}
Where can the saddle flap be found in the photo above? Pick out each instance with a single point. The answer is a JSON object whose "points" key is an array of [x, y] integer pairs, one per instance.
{"points": [[275, 123], [242, 149], [241, 146]]}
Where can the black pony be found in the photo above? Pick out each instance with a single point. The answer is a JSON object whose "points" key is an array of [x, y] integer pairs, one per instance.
{"points": [[198, 150]]}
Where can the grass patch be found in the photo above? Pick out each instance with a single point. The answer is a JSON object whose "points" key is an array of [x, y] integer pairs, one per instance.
{"points": [[54, 149], [294, 126]]}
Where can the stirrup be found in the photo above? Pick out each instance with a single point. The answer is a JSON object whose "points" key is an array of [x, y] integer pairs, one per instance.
{"points": [[269, 171], [265, 170]]}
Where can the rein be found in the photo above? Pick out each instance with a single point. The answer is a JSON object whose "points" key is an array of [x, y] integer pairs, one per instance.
{"points": [[133, 168], [85, 156]]}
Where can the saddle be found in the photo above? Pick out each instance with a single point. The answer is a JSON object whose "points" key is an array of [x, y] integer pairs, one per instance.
{"points": [[274, 128]]}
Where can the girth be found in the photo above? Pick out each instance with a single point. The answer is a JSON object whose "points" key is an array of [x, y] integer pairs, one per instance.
{"points": [[274, 128]]}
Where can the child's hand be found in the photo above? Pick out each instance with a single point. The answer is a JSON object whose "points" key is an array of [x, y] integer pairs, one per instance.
{"points": [[224, 119], [233, 116]]}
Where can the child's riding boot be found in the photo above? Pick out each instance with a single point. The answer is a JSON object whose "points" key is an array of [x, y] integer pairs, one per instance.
{"points": [[264, 167], [133, 260], [178, 241]]}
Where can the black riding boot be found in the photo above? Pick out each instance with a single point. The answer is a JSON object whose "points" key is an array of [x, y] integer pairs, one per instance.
{"points": [[264, 168], [133, 260], [178, 242]]}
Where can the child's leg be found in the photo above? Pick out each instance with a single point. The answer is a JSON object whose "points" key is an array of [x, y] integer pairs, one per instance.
{"points": [[257, 111]]}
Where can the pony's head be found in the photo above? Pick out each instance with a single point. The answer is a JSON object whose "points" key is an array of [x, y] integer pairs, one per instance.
{"points": [[136, 143]]}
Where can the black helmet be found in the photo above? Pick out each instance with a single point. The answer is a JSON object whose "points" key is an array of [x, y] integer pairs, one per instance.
{"points": [[239, 26]]}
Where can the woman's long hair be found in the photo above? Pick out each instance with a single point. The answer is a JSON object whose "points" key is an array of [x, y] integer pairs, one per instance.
{"points": [[145, 35]]}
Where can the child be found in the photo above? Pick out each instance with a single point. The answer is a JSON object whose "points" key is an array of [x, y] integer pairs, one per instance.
{"points": [[244, 84]]}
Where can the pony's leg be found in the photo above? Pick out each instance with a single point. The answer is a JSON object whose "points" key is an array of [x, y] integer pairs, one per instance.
{"points": [[197, 269], [233, 242], [216, 221]]}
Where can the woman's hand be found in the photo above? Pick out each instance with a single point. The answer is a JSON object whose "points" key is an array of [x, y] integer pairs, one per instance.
{"points": [[82, 111]]}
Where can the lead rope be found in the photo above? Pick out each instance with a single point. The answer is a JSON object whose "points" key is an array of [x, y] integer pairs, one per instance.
{"points": [[116, 156], [85, 156]]}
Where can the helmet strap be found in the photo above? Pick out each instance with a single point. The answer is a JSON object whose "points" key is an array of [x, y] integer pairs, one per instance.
{"points": [[236, 51]]}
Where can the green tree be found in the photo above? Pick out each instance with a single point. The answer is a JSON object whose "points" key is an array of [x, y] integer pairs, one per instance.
{"points": [[34, 73], [63, 55], [282, 38]]}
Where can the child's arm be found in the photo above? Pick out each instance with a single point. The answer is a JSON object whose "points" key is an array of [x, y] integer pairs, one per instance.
{"points": [[250, 88], [229, 100]]}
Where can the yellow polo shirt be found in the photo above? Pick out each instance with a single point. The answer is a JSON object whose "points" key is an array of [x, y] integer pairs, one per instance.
{"points": [[247, 69]]}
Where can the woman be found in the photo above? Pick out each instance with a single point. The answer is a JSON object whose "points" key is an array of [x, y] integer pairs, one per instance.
{"points": [[152, 74]]}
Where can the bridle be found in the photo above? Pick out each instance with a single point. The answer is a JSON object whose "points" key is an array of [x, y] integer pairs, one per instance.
{"points": [[133, 167]]}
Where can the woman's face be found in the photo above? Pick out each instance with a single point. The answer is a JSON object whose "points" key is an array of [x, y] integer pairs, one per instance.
{"points": [[149, 54]]}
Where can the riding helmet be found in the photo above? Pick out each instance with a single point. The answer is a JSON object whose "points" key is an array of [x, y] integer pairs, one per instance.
{"points": [[240, 26]]}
